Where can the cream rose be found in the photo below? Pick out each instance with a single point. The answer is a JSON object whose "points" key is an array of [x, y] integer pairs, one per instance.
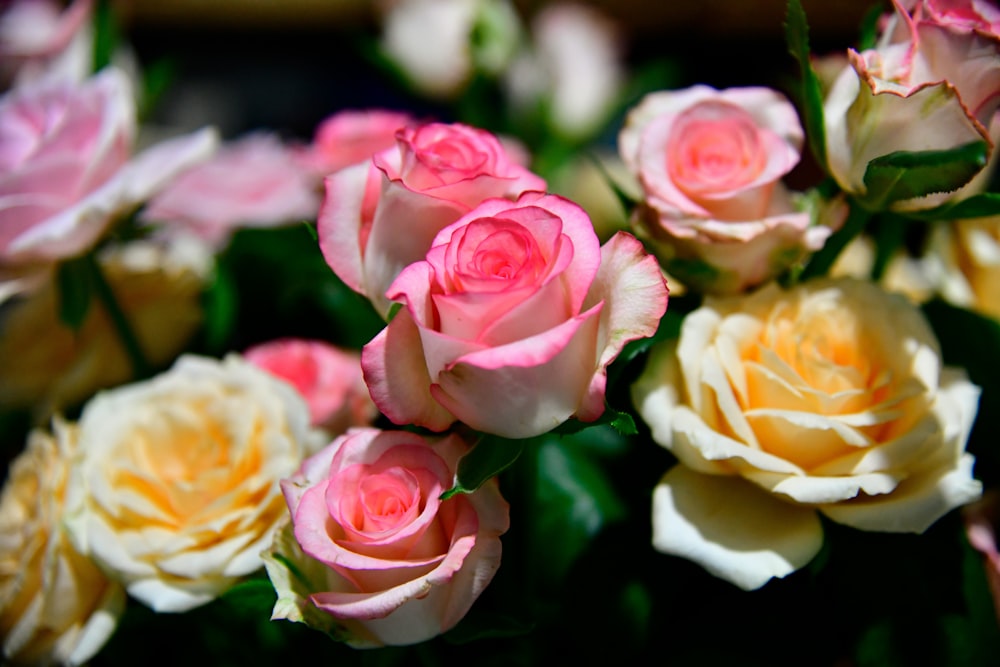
{"points": [[47, 366], [964, 263], [56, 606], [828, 398], [174, 489]]}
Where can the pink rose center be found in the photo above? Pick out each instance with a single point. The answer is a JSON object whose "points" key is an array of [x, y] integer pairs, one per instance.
{"points": [[494, 254], [451, 153], [714, 147], [387, 499]]}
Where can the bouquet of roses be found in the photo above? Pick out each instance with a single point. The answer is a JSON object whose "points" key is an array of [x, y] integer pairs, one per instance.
{"points": [[473, 388]]}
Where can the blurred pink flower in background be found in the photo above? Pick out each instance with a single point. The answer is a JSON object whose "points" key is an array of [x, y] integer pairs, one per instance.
{"points": [[254, 181], [42, 39], [352, 136], [68, 170], [982, 520], [327, 377]]}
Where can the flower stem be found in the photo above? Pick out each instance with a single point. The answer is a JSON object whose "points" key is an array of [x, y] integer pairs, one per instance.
{"points": [[140, 366], [821, 262]]}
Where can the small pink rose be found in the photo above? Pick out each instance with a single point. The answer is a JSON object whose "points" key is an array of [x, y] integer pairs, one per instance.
{"points": [[379, 558], [252, 182], [510, 322], [327, 377], [68, 171], [380, 216], [710, 163], [349, 137]]}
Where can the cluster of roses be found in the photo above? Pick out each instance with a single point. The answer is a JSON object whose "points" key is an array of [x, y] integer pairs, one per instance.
{"points": [[504, 312]]}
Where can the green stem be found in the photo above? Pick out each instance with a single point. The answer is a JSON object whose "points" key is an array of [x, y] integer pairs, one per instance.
{"points": [[140, 366], [821, 262]]}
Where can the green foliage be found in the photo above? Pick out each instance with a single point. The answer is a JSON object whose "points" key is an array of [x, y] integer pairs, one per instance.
{"points": [[809, 93], [490, 456], [905, 175], [76, 290], [981, 205]]}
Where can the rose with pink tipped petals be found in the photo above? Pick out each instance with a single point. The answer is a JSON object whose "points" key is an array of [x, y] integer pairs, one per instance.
{"points": [[709, 163], [327, 377], [931, 83], [348, 137], [378, 557], [66, 170], [379, 216], [43, 39], [252, 182], [510, 322]]}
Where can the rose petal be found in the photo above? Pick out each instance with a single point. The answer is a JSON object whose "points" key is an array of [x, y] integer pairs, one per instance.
{"points": [[731, 528]]}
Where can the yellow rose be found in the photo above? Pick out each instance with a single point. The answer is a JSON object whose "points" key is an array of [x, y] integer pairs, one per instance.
{"points": [[55, 604], [827, 398], [174, 490], [965, 260], [45, 364]]}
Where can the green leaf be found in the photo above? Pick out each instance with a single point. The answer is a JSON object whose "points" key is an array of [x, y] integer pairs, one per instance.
{"points": [[890, 234], [905, 175], [157, 77], [620, 421], [487, 458], [256, 594], [76, 291], [221, 305], [981, 205], [107, 34], [868, 30], [575, 500], [810, 93], [820, 263], [487, 625]]}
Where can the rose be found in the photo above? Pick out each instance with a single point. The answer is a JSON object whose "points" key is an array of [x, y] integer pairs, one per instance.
{"points": [[349, 137], [437, 45], [252, 182], [827, 398], [982, 519], [55, 605], [510, 322], [174, 489], [379, 216], [46, 366], [39, 38], [327, 377], [710, 163], [963, 258], [575, 65], [378, 558], [931, 83], [67, 170]]}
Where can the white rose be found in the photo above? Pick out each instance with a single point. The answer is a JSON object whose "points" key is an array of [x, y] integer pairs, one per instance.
{"points": [[175, 488], [828, 398]]}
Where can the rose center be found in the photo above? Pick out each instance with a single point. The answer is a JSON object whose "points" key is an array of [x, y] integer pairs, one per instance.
{"points": [[714, 147], [387, 498]]}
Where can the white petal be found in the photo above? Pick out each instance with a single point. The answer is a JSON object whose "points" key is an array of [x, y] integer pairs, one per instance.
{"points": [[915, 504], [731, 528]]}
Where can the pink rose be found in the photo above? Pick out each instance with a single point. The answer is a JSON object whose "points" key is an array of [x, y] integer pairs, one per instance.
{"points": [[381, 215], [67, 171], [252, 182], [710, 163], [327, 377], [931, 83], [510, 322], [982, 522], [42, 39], [349, 137], [378, 557]]}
